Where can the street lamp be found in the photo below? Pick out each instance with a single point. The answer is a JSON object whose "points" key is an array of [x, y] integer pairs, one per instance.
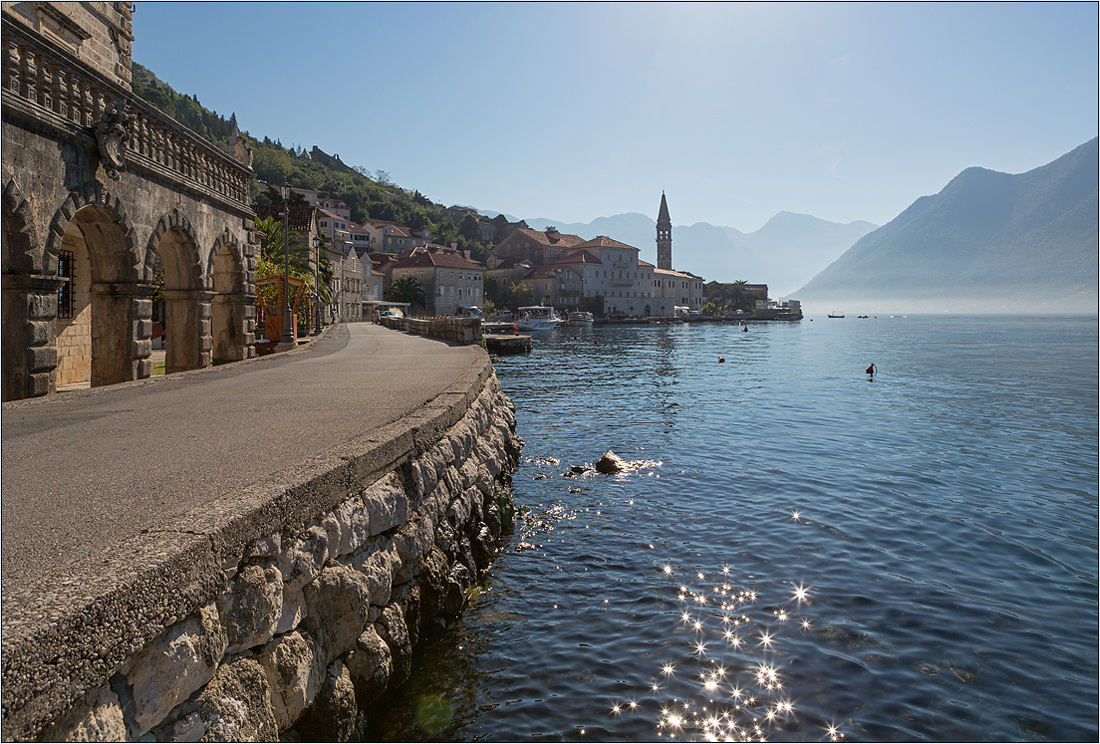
{"points": [[317, 243], [290, 335]]}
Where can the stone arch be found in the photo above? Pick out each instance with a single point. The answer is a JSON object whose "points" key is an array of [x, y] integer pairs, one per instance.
{"points": [[21, 246], [97, 338], [188, 262], [227, 249], [95, 194], [25, 295], [174, 249], [226, 280]]}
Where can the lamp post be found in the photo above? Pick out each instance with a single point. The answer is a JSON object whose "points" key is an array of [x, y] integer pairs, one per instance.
{"points": [[289, 332], [317, 242]]}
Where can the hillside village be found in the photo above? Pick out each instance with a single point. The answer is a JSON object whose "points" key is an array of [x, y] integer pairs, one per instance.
{"points": [[603, 276]]}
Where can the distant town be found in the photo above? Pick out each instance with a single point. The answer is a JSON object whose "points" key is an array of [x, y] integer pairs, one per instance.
{"points": [[377, 262]]}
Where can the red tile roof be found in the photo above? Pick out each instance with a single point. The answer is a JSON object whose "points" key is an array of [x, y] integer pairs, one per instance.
{"points": [[579, 256], [602, 241], [566, 240], [301, 219], [426, 259]]}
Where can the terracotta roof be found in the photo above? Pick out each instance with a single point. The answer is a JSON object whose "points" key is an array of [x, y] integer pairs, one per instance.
{"points": [[300, 218], [602, 241], [647, 265], [512, 263], [438, 260], [580, 256], [566, 240], [331, 215]]}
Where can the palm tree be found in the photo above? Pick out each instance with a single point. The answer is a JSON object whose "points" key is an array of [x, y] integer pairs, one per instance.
{"points": [[406, 289]]}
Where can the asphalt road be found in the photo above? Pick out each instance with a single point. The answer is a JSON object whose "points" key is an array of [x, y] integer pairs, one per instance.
{"points": [[83, 471]]}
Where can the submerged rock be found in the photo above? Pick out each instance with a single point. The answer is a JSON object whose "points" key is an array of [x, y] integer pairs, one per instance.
{"points": [[611, 463]]}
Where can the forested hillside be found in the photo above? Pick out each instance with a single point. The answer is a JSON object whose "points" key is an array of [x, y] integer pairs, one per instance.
{"points": [[367, 197]]}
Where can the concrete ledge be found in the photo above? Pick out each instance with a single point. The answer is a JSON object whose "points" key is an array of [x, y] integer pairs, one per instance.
{"points": [[62, 641]]}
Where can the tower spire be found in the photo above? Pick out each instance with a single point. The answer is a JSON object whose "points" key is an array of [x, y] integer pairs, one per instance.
{"points": [[664, 236]]}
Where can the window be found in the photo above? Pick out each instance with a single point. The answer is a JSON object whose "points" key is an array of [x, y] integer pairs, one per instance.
{"points": [[65, 301]]}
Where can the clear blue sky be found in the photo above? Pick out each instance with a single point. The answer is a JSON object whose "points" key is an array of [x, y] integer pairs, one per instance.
{"points": [[573, 111]]}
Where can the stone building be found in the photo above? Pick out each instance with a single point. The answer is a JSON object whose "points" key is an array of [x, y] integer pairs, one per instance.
{"points": [[539, 247], [449, 278], [107, 203], [347, 284]]}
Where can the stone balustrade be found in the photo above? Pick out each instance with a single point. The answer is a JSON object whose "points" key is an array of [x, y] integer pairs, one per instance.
{"points": [[42, 80]]}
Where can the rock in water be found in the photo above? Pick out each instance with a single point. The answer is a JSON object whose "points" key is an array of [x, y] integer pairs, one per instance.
{"points": [[611, 463]]}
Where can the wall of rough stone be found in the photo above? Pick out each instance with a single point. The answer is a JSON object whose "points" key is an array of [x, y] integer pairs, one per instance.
{"points": [[465, 331], [313, 626]]}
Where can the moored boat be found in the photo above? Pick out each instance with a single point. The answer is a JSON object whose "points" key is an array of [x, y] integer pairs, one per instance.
{"points": [[537, 318], [580, 318]]}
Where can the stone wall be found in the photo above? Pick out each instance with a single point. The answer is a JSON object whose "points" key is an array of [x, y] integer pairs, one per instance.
{"points": [[312, 624], [465, 331]]}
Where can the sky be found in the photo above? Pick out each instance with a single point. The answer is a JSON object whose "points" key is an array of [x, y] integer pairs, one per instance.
{"points": [[574, 111]]}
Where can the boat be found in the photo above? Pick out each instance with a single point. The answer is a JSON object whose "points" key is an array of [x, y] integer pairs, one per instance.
{"points": [[579, 318], [836, 315], [537, 318]]}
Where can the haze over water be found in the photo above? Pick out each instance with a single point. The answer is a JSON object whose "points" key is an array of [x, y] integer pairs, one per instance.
{"points": [[802, 553]]}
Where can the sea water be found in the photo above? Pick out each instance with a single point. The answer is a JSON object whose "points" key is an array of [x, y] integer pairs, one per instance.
{"points": [[800, 551]]}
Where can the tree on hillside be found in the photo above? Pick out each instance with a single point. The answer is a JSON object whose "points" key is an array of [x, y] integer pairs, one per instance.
{"points": [[469, 228]]}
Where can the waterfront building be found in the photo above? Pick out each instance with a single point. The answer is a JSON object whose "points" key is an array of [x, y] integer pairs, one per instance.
{"points": [[347, 284], [449, 277], [540, 247], [108, 203], [680, 288], [623, 280]]}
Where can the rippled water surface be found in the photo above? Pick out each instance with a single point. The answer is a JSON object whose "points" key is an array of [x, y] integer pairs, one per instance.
{"points": [[802, 553]]}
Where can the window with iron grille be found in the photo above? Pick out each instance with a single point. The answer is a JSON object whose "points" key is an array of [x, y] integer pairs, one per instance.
{"points": [[65, 302]]}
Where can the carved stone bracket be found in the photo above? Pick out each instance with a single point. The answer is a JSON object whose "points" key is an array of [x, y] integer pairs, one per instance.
{"points": [[112, 133]]}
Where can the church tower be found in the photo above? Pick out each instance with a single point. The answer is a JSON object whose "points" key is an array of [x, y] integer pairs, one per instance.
{"points": [[664, 236]]}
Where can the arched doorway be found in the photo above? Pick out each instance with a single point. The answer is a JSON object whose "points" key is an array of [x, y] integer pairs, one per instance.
{"points": [[228, 306], [94, 329], [184, 302]]}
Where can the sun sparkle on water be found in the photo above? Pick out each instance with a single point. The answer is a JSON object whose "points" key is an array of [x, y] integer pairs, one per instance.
{"points": [[719, 705]]}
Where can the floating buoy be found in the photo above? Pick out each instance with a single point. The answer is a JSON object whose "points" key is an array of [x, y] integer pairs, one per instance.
{"points": [[721, 360], [745, 329], [871, 370]]}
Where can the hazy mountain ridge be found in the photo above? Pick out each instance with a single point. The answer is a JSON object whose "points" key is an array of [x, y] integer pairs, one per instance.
{"points": [[783, 254], [987, 242]]}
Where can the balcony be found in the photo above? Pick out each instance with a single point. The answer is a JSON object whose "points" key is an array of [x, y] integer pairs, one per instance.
{"points": [[46, 84]]}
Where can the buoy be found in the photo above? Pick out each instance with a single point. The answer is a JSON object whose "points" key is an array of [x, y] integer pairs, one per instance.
{"points": [[721, 360], [871, 370], [745, 329]]}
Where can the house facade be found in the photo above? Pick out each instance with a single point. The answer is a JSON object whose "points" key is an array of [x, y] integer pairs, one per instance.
{"points": [[449, 278]]}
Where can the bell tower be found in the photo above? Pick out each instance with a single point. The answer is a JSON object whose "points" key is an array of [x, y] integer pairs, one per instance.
{"points": [[664, 237]]}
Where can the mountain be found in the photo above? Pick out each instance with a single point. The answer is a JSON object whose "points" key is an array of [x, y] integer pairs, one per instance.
{"points": [[784, 253], [988, 242]]}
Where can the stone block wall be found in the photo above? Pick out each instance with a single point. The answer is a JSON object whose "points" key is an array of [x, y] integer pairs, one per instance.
{"points": [[465, 331], [311, 627]]}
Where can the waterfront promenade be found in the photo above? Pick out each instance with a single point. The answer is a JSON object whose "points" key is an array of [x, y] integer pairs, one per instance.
{"points": [[87, 470]]}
